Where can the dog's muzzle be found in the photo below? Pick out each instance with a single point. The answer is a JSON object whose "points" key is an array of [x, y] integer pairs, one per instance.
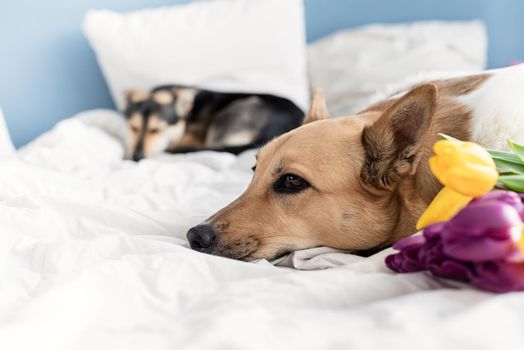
{"points": [[202, 238], [138, 154]]}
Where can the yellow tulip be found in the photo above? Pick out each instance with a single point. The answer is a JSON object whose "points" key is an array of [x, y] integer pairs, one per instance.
{"points": [[466, 170], [465, 167]]}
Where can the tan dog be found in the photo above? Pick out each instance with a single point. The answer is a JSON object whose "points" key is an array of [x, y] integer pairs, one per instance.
{"points": [[356, 183]]}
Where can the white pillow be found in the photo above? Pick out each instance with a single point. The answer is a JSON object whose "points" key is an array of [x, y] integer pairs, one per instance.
{"points": [[222, 45], [6, 145], [353, 64]]}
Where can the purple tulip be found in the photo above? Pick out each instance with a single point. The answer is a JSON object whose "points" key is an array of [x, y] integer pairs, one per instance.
{"points": [[407, 260], [433, 257], [477, 245]]}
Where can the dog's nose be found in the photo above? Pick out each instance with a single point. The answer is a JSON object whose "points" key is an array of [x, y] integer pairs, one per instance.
{"points": [[138, 155], [202, 238]]}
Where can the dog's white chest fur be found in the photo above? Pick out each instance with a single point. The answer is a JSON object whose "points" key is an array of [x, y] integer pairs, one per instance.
{"points": [[498, 108]]}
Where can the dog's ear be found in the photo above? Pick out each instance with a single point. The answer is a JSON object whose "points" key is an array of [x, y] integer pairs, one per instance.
{"points": [[392, 143], [318, 109], [163, 97], [134, 96]]}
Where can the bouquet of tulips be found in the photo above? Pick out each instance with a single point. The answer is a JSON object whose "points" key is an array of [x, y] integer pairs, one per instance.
{"points": [[471, 233]]}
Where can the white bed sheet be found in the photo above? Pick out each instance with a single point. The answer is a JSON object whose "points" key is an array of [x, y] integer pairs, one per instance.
{"points": [[93, 256]]}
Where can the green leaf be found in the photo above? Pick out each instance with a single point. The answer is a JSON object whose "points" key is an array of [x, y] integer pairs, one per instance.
{"points": [[515, 167], [517, 148], [507, 161], [509, 156], [513, 182]]}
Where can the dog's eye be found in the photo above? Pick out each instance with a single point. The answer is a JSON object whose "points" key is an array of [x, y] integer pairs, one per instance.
{"points": [[254, 167], [154, 131], [134, 129], [290, 183]]}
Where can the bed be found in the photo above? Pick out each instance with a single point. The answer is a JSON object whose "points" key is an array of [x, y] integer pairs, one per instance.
{"points": [[94, 256], [93, 253]]}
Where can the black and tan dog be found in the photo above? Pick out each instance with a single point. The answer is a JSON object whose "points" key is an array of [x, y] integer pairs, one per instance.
{"points": [[184, 119]]}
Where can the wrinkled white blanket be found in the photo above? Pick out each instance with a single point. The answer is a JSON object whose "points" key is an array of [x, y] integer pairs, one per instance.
{"points": [[93, 256]]}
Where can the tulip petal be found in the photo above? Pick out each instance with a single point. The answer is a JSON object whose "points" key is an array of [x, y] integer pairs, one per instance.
{"points": [[471, 179], [508, 197], [498, 277], [411, 242], [399, 263], [478, 249], [407, 259], [464, 166], [433, 232], [437, 168], [484, 219], [444, 206], [450, 269]]}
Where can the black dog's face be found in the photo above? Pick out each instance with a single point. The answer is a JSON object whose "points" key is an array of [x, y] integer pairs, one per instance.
{"points": [[156, 120]]}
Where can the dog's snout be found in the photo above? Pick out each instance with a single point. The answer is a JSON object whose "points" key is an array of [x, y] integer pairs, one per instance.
{"points": [[202, 238], [138, 155]]}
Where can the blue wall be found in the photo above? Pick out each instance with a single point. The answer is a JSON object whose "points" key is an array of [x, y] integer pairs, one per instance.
{"points": [[48, 72]]}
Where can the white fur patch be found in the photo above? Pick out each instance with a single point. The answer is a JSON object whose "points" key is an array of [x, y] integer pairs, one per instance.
{"points": [[498, 108], [239, 138], [398, 89], [184, 101], [497, 105]]}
